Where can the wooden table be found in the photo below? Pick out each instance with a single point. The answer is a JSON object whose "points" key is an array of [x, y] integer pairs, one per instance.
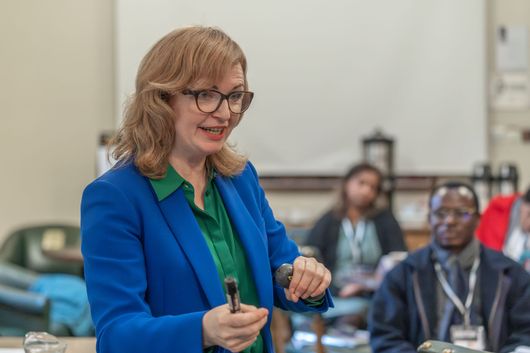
{"points": [[74, 344]]}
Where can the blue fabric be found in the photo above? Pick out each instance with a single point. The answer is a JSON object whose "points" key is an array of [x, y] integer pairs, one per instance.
{"points": [[149, 272], [69, 302]]}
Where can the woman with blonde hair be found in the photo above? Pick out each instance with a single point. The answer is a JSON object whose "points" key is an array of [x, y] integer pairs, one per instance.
{"points": [[182, 210]]}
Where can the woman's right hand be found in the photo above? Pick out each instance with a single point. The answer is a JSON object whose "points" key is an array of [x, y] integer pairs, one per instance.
{"points": [[233, 331]]}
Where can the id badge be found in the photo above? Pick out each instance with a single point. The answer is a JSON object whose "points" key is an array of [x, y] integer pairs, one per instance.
{"points": [[473, 337]]}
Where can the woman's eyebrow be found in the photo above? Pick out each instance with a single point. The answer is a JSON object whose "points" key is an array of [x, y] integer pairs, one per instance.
{"points": [[240, 85]]}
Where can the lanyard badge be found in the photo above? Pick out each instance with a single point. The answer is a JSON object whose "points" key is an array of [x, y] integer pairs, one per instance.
{"points": [[472, 336], [467, 335]]}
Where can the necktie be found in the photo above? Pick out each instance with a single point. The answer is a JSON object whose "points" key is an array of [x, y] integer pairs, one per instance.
{"points": [[451, 315], [459, 286]]}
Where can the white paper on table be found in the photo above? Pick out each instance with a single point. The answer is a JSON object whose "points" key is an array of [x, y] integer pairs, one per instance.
{"points": [[11, 350]]}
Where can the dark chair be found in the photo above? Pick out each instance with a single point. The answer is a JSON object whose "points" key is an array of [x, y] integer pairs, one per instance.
{"points": [[20, 309], [30, 248], [24, 255]]}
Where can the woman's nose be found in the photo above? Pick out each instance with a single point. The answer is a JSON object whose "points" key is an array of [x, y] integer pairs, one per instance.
{"points": [[223, 112]]}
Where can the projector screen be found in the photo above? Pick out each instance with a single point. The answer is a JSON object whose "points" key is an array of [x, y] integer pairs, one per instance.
{"points": [[327, 74]]}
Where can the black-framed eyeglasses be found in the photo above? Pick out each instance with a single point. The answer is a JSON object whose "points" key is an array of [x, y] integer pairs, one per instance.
{"points": [[459, 214], [209, 100]]}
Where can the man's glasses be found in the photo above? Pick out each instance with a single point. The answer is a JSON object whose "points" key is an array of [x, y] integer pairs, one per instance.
{"points": [[208, 101], [459, 214]]}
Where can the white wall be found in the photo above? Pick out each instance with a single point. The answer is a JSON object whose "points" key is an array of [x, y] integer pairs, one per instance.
{"points": [[509, 147], [56, 95], [328, 74]]}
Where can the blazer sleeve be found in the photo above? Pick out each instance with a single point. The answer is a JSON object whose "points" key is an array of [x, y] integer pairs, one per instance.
{"points": [[116, 279], [388, 320], [282, 250], [518, 311]]}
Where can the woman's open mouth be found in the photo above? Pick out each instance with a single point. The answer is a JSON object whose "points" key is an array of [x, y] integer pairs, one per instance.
{"points": [[214, 133]]}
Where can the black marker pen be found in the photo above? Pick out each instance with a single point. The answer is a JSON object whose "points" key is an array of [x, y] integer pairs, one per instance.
{"points": [[232, 294]]}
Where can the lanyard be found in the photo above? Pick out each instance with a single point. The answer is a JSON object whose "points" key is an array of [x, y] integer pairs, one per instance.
{"points": [[464, 309], [355, 238]]}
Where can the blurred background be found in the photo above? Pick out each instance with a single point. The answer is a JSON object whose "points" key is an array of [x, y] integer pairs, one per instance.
{"points": [[62, 89]]}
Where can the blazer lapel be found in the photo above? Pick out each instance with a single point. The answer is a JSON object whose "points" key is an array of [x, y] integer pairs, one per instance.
{"points": [[493, 286], [424, 287], [427, 279], [252, 239], [186, 231]]}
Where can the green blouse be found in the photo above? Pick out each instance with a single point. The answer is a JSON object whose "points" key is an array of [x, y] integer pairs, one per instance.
{"points": [[224, 244]]}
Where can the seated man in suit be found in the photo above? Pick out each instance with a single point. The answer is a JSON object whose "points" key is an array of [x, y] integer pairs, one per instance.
{"points": [[454, 289], [505, 226]]}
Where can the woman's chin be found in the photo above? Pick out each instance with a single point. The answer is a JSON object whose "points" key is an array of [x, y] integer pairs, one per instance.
{"points": [[212, 149]]}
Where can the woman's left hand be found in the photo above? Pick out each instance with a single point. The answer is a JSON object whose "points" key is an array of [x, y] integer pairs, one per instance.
{"points": [[310, 279]]}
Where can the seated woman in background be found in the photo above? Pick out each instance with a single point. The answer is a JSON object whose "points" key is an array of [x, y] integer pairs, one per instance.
{"points": [[354, 235]]}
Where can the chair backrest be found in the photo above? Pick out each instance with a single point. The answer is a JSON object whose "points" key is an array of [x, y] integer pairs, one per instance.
{"points": [[32, 313], [26, 247]]}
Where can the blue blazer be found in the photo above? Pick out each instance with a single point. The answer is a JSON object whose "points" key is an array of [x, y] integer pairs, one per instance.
{"points": [[149, 273]]}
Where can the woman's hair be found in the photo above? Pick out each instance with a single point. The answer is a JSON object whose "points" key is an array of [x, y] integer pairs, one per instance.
{"points": [[175, 62], [342, 205]]}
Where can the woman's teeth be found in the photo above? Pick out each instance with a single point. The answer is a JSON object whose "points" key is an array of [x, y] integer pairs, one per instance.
{"points": [[215, 131]]}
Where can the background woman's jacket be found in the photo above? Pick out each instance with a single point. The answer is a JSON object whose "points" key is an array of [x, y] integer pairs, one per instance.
{"points": [[325, 235]]}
